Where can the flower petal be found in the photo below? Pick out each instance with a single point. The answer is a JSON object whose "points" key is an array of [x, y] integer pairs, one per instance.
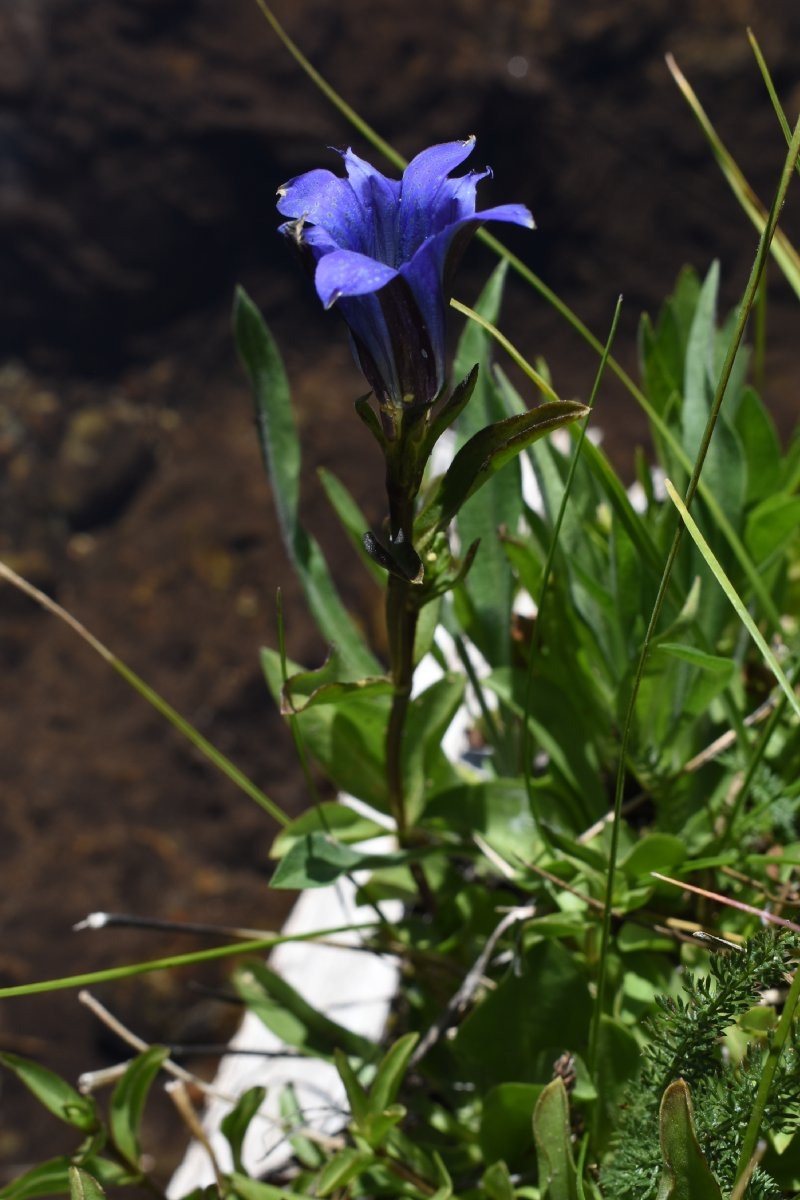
{"points": [[324, 199], [379, 198], [345, 273], [422, 180], [516, 214]]}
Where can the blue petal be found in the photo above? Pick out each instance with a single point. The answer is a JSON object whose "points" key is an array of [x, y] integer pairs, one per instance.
{"points": [[379, 198], [324, 199], [516, 214], [345, 273], [421, 192]]}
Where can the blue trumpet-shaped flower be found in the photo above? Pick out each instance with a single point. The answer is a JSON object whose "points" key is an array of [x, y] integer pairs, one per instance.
{"points": [[384, 251]]}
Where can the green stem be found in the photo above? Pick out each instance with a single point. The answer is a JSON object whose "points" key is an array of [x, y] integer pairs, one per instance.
{"points": [[401, 621]]}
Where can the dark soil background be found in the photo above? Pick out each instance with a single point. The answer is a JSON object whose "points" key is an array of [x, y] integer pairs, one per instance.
{"points": [[141, 144]]}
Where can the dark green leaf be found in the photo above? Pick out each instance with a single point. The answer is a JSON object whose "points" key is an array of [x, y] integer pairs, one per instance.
{"points": [[253, 1189], [351, 517], [342, 1169], [356, 1094], [761, 445], [128, 1099], [558, 1178], [49, 1178], [559, 1017], [234, 1125], [391, 1071], [281, 449], [488, 451], [57, 1096]]}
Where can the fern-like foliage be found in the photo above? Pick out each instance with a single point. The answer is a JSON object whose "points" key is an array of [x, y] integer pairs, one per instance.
{"points": [[685, 1042]]}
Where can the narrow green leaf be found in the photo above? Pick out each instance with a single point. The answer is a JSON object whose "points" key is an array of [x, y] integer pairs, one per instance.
{"points": [[57, 1096], [452, 408], [246, 1188], [234, 1125], [782, 249], [734, 598], [391, 1071], [52, 1178], [283, 1010], [280, 444], [493, 447], [128, 1099], [558, 1177], [352, 520], [281, 449], [342, 1169], [83, 1186], [49, 1178], [356, 1095], [686, 1175]]}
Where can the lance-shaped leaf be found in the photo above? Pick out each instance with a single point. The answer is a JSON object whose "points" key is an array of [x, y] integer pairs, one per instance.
{"points": [[558, 1178], [128, 1100], [58, 1096], [83, 1186], [281, 449], [489, 450], [686, 1175]]}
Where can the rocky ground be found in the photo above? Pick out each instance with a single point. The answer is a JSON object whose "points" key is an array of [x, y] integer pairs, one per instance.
{"points": [[142, 144]]}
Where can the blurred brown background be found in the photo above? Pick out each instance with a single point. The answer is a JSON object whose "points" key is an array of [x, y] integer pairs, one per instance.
{"points": [[141, 144]]}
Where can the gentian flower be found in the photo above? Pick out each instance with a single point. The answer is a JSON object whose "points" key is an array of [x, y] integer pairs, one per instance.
{"points": [[384, 251]]}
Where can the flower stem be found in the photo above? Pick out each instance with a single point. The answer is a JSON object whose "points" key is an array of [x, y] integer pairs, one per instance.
{"points": [[401, 620]]}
